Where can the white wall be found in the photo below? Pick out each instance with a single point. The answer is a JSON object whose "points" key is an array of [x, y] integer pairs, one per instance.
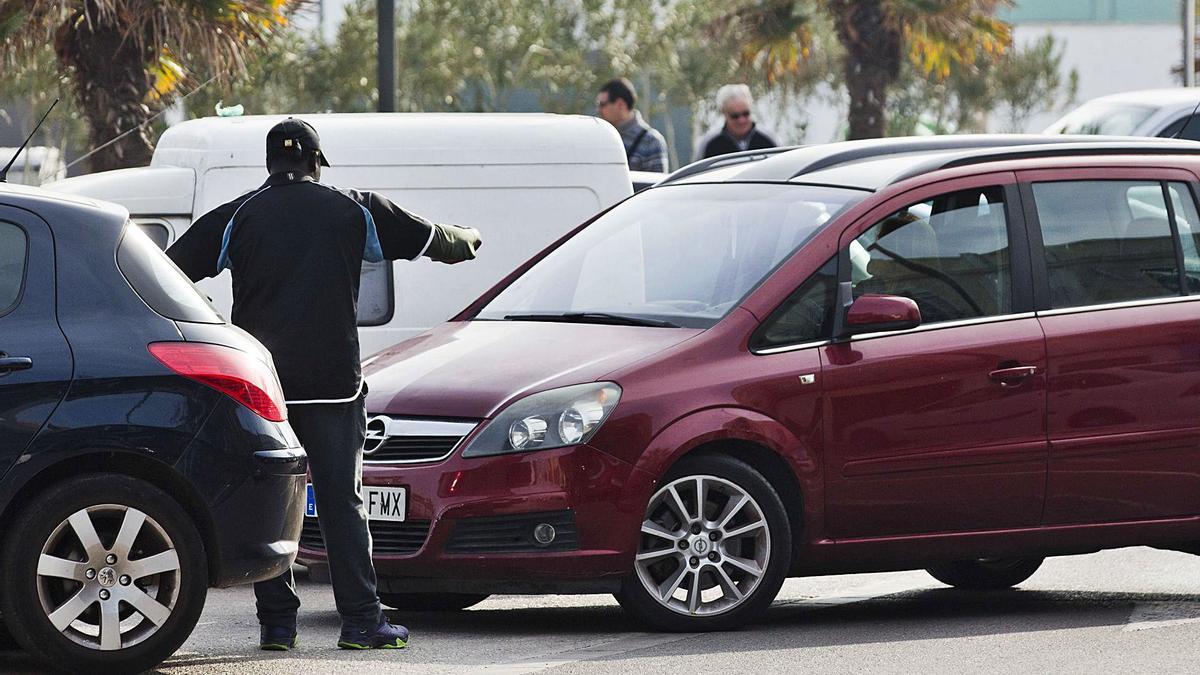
{"points": [[1109, 58]]}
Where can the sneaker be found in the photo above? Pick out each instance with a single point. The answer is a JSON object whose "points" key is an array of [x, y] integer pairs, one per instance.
{"points": [[276, 638], [383, 636]]}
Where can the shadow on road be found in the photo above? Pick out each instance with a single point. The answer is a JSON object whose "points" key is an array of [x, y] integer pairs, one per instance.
{"points": [[930, 614]]}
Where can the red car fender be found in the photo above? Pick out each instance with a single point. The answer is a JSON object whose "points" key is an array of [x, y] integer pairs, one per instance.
{"points": [[738, 424]]}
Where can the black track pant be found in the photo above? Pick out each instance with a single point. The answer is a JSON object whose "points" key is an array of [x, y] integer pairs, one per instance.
{"points": [[332, 434]]}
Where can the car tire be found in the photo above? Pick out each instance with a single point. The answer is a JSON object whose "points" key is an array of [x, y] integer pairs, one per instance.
{"points": [[432, 602], [986, 573], [56, 567], [740, 569]]}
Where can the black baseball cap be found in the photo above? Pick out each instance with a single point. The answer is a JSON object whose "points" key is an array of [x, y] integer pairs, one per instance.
{"points": [[293, 132]]}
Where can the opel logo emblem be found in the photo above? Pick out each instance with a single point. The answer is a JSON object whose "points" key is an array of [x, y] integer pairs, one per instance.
{"points": [[376, 434], [700, 546]]}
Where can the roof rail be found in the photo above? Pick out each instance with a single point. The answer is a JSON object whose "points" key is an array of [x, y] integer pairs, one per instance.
{"points": [[1069, 149], [816, 158], [722, 161]]}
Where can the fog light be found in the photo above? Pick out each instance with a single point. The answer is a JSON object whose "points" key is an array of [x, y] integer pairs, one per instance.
{"points": [[544, 534], [527, 433]]}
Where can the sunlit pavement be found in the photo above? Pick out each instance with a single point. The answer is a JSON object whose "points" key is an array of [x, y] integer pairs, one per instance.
{"points": [[1133, 610]]}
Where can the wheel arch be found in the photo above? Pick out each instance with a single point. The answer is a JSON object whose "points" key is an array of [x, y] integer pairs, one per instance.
{"points": [[771, 465], [786, 461], [156, 473]]}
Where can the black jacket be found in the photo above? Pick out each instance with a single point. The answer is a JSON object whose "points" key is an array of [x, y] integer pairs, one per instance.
{"points": [[295, 249], [721, 143]]}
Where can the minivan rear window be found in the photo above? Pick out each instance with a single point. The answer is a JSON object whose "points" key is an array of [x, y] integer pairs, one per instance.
{"points": [[159, 283]]}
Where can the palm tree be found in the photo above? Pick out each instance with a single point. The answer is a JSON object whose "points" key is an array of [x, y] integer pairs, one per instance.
{"points": [[937, 35], [127, 58]]}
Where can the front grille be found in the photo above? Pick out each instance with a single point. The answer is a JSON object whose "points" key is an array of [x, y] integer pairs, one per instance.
{"points": [[387, 536], [513, 534], [412, 449], [405, 440]]}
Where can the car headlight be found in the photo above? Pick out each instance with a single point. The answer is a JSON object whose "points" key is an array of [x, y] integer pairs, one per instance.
{"points": [[547, 419]]}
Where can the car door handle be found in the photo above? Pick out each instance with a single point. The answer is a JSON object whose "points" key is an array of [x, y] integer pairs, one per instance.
{"points": [[9, 364], [1012, 377]]}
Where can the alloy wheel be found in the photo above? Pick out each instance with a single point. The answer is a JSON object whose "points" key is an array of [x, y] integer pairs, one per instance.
{"points": [[705, 546], [108, 577]]}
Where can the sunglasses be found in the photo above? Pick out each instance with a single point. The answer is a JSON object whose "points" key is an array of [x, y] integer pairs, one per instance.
{"points": [[738, 115]]}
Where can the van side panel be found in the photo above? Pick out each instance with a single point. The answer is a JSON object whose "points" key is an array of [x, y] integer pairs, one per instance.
{"points": [[519, 209]]}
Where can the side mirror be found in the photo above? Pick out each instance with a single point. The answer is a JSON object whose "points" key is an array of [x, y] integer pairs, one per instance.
{"points": [[874, 313]]}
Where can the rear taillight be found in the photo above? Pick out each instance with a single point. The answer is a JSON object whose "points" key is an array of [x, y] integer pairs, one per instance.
{"points": [[230, 371]]}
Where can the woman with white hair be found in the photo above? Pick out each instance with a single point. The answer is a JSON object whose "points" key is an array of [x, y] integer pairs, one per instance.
{"points": [[739, 132]]}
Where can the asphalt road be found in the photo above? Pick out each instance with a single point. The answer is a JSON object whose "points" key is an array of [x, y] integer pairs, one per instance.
{"points": [[1132, 610]]}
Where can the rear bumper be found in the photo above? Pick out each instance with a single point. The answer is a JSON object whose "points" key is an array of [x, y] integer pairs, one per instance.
{"points": [[470, 524], [258, 524]]}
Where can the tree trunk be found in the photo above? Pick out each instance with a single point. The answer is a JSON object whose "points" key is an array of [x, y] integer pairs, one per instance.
{"points": [[872, 62], [111, 85]]}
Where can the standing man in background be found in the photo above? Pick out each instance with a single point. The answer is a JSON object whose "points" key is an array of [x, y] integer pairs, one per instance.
{"points": [[739, 132], [645, 148], [295, 248]]}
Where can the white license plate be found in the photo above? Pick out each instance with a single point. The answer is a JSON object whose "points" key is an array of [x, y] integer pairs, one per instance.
{"points": [[383, 503]]}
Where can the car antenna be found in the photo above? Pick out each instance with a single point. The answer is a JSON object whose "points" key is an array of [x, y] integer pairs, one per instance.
{"points": [[4, 171], [1187, 121]]}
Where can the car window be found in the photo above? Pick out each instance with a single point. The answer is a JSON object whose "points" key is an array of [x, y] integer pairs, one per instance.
{"points": [[1106, 241], [158, 282], [1190, 129], [375, 299], [1103, 118], [949, 254], [13, 249], [807, 314]]}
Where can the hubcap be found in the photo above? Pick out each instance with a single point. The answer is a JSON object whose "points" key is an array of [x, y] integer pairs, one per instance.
{"points": [[705, 546], [108, 577]]}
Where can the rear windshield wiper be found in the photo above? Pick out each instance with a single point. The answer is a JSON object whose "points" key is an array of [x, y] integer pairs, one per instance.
{"points": [[593, 317]]}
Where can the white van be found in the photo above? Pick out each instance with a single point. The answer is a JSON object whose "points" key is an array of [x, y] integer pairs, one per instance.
{"points": [[523, 179]]}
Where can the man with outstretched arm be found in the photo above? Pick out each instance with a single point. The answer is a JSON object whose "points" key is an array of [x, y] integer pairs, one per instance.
{"points": [[295, 249]]}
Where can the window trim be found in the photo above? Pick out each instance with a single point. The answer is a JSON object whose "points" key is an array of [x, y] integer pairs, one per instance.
{"points": [[5, 311], [1147, 302], [923, 328]]}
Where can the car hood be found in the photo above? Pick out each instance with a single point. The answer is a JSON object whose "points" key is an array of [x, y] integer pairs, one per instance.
{"points": [[469, 369]]}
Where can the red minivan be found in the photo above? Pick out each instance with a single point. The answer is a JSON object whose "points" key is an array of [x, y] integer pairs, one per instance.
{"points": [[959, 354]]}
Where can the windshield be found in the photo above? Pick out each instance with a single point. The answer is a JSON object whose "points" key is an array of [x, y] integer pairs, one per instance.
{"points": [[1103, 119], [680, 255]]}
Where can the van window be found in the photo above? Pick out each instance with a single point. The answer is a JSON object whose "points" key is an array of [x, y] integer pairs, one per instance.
{"points": [[948, 254], [1188, 223], [376, 302], [13, 249], [1106, 241], [158, 282], [157, 231], [807, 314]]}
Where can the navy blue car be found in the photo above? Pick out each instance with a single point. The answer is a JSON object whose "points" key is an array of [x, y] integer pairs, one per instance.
{"points": [[144, 449]]}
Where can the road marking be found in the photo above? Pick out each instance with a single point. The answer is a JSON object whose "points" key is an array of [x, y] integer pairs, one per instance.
{"points": [[1150, 615], [632, 642]]}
